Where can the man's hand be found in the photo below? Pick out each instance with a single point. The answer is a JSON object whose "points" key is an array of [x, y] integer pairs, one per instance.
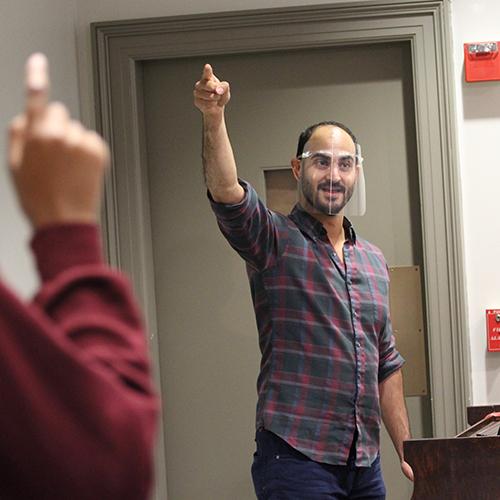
{"points": [[57, 164], [210, 94], [395, 415], [407, 470]]}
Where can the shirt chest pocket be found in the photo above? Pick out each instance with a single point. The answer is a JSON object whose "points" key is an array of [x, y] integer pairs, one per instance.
{"points": [[373, 292]]}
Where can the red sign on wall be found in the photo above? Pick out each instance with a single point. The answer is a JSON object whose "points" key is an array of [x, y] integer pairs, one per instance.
{"points": [[482, 61], [493, 329]]}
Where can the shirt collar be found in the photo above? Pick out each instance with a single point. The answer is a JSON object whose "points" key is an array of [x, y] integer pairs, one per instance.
{"points": [[313, 227]]}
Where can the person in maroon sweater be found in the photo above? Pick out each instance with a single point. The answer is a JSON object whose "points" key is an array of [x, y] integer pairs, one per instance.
{"points": [[78, 408]]}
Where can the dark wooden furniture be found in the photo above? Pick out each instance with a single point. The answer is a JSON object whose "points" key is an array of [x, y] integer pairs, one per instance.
{"points": [[459, 468], [477, 413]]}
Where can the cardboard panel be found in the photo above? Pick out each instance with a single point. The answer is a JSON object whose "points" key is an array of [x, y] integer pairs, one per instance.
{"points": [[408, 326], [281, 189]]}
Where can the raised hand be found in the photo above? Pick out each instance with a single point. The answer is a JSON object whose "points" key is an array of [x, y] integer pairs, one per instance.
{"points": [[210, 94], [57, 164]]}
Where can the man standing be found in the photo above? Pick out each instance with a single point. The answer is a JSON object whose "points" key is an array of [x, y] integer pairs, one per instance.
{"points": [[329, 365]]}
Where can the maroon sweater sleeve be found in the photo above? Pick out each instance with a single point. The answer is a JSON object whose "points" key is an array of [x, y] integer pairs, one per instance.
{"points": [[78, 410]]}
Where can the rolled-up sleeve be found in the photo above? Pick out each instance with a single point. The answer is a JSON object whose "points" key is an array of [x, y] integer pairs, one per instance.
{"points": [[390, 360], [250, 228]]}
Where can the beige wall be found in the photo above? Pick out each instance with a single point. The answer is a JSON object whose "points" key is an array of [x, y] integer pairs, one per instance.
{"points": [[478, 116]]}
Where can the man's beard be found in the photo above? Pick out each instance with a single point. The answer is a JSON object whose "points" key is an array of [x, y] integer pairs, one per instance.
{"points": [[332, 206]]}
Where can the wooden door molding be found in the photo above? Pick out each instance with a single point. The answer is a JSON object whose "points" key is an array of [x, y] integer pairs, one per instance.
{"points": [[120, 47]]}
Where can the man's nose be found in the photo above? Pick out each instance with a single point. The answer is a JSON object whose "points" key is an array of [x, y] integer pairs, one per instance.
{"points": [[333, 172]]}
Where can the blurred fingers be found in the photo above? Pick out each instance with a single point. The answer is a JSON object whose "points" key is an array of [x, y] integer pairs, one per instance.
{"points": [[74, 133], [37, 86], [52, 124], [97, 147], [17, 133]]}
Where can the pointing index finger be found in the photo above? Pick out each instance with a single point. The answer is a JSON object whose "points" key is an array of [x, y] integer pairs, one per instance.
{"points": [[208, 72], [37, 85]]}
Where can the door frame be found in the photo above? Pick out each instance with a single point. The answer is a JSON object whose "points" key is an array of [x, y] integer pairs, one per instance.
{"points": [[119, 48]]}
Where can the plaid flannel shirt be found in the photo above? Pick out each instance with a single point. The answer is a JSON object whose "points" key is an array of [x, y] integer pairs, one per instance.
{"points": [[324, 329]]}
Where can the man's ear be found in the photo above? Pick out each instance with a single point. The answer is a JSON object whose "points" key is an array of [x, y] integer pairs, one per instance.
{"points": [[296, 166]]}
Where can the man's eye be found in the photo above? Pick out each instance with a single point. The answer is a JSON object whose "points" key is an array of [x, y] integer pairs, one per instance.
{"points": [[346, 164], [322, 162]]}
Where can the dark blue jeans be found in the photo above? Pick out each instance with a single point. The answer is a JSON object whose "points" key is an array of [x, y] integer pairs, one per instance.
{"points": [[280, 472]]}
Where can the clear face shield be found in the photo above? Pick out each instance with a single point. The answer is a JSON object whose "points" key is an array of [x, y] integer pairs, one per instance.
{"points": [[333, 180]]}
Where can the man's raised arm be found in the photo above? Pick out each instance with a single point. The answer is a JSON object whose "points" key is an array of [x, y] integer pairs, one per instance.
{"points": [[210, 97]]}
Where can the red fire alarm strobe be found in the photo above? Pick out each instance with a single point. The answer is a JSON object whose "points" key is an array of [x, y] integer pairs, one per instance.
{"points": [[493, 329], [482, 61]]}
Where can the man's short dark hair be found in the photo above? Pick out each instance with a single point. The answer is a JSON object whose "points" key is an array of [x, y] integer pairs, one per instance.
{"points": [[306, 135]]}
